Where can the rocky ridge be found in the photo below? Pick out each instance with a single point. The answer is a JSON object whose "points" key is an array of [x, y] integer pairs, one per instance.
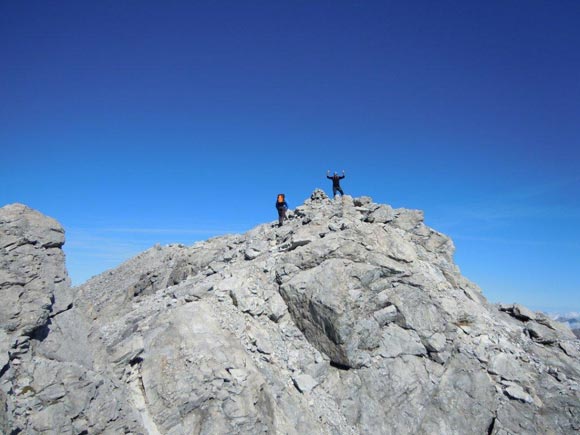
{"points": [[350, 319]]}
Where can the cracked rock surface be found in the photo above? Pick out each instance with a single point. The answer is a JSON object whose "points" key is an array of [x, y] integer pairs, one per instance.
{"points": [[350, 319]]}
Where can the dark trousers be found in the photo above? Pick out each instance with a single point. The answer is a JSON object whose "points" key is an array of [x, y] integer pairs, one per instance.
{"points": [[337, 189], [281, 215]]}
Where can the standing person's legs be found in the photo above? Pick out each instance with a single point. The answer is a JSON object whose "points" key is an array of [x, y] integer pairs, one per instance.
{"points": [[340, 190], [281, 216]]}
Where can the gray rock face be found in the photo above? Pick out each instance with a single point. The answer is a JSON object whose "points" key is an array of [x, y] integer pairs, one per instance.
{"points": [[350, 319], [32, 270], [48, 380]]}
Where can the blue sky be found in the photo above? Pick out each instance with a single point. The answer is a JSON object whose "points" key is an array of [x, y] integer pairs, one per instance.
{"points": [[141, 122]]}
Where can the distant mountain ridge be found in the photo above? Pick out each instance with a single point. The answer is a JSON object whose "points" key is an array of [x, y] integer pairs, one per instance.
{"points": [[351, 318]]}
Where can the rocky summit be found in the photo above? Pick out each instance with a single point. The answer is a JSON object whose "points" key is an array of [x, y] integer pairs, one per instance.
{"points": [[349, 319]]}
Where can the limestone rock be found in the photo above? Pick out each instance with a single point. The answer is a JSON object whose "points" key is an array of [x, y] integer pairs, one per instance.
{"points": [[523, 313], [506, 366], [381, 214], [304, 383], [398, 341], [350, 319], [518, 393], [34, 282], [49, 382]]}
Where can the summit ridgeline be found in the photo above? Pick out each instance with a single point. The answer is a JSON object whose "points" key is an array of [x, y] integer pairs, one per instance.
{"points": [[351, 318]]}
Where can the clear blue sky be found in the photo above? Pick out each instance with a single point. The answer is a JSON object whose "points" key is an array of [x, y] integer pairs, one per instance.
{"points": [[143, 122]]}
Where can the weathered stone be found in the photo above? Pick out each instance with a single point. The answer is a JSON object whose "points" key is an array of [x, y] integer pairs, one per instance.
{"points": [[5, 346], [463, 401], [397, 247], [398, 341], [435, 343], [382, 329], [255, 248], [304, 383], [277, 307], [362, 201], [407, 219], [561, 329], [436, 242], [541, 333], [523, 313], [518, 393], [190, 379], [301, 237], [385, 315], [382, 214], [572, 348], [506, 366]]}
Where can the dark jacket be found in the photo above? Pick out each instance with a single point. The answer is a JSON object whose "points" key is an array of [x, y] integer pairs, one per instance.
{"points": [[335, 179], [281, 205]]}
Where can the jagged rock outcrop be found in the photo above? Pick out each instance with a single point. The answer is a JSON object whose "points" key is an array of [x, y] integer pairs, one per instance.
{"points": [[48, 378], [350, 319]]}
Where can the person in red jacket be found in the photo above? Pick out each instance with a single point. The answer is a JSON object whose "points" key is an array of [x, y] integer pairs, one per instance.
{"points": [[335, 182]]}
